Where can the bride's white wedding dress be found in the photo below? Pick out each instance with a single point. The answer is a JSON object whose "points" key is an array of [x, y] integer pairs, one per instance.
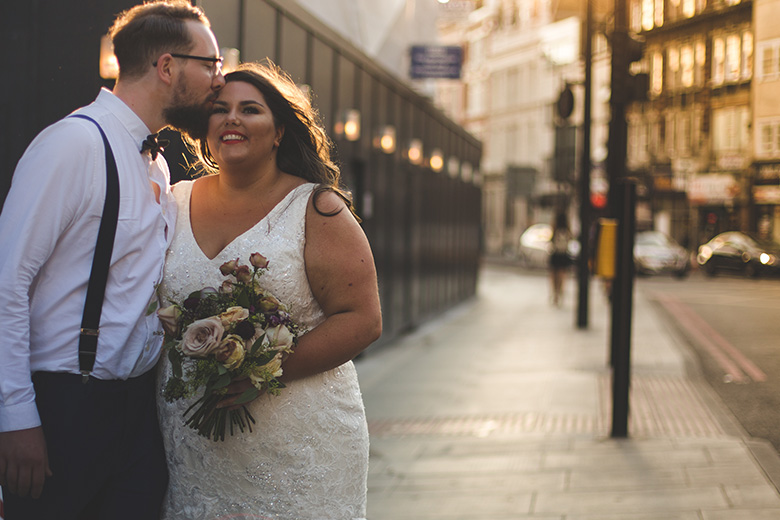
{"points": [[307, 457]]}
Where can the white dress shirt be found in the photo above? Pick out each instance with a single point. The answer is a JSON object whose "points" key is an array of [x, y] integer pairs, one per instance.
{"points": [[48, 229]]}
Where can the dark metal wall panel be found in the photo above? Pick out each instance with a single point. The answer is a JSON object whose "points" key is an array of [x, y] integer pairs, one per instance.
{"points": [[259, 29]]}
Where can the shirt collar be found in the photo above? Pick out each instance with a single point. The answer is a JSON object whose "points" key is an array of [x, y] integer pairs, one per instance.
{"points": [[129, 119]]}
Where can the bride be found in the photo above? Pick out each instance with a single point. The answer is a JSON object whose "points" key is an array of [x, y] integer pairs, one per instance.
{"points": [[276, 193]]}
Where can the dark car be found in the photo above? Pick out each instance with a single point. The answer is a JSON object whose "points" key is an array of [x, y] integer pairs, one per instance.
{"points": [[657, 253], [735, 251]]}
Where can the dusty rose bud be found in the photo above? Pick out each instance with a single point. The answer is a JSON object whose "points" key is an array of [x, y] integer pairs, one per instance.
{"points": [[228, 267], [258, 260], [243, 274], [227, 287], [169, 318]]}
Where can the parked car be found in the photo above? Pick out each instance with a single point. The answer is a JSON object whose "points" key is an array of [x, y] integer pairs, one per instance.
{"points": [[535, 245], [739, 252], [657, 253]]}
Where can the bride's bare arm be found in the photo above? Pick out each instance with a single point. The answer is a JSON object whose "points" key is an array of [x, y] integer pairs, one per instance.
{"points": [[342, 276]]}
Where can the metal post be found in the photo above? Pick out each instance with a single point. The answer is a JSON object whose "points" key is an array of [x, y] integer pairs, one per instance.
{"points": [[583, 270], [622, 307]]}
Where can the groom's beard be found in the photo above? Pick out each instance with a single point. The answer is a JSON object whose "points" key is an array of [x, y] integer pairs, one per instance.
{"points": [[189, 118]]}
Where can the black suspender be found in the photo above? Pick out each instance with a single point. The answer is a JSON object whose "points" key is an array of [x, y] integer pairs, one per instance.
{"points": [[93, 307]]}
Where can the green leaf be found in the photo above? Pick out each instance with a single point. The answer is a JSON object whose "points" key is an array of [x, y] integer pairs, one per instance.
{"points": [[257, 345], [222, 381], [243, 300], [152, 307], [175, 359], [248, 395], [221, 369]]}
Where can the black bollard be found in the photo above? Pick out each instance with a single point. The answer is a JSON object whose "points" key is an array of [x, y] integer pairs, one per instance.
{"points": [[622, 305]]}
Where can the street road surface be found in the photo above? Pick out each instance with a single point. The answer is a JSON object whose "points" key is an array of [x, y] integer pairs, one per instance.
{"points": [[732, 324]]}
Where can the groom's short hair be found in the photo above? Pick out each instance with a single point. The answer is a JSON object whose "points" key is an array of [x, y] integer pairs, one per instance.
{"points": [[144, 32]]}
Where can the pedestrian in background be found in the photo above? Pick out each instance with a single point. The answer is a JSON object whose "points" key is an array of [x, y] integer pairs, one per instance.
{"points": [[560, 260]]}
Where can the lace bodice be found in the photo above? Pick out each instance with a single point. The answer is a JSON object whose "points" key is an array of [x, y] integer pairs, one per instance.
{"points": [[308, 455]]}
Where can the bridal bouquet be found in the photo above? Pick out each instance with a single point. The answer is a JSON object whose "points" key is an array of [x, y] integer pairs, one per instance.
{"points": [[220, 335]]}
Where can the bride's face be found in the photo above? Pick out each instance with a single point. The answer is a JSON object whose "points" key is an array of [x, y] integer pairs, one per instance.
{"points": [[241, 126]]}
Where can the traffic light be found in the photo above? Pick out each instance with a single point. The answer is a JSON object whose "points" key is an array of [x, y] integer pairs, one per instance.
{"points": [[628, 87], [638, 83]]}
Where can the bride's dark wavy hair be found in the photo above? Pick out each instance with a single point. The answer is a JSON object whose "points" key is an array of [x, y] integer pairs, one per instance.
{"points": [[305, 149]]}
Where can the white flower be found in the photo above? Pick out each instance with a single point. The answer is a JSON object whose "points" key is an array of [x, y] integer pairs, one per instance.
{"points": [[280, 338]]}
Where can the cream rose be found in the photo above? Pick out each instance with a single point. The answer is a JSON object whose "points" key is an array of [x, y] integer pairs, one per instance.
{"points": [[233, 315], [169, 318], [230, 352], [202, 336], [280, 337], [261, 374]]}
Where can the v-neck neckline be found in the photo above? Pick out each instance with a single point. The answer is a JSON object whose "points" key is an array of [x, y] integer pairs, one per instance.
{"points": [[273, 211]]}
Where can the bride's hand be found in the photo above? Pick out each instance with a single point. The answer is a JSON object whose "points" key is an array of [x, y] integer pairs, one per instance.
{"points": [[234, 391]]}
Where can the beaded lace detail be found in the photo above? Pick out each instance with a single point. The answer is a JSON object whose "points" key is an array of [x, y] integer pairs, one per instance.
{"points": [[307, 457]]}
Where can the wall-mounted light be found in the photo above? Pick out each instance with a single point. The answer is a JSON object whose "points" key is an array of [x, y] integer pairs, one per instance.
{"points": [[385, 139], [467, 172], [348, 125], [453, 167], [415, 151], [437, 160], [352, 125], [231, 59], [109, 67]]}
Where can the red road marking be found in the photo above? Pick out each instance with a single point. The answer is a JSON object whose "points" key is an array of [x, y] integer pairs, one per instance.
{"points": [[722, 351]]}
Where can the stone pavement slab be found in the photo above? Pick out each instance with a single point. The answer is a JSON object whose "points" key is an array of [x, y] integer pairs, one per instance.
{"points": [[501, 409]]}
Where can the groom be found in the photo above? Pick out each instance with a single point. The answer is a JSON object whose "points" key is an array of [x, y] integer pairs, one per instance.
{"points": [[76, 446]]}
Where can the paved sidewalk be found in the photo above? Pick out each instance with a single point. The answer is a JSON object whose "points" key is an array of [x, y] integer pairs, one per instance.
{"points": [[500, 409]]}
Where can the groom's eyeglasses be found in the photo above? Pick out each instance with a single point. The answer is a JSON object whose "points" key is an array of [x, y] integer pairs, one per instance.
{"points": [[216, 63]]}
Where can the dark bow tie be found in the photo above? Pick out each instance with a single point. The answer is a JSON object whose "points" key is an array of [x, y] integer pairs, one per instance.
{"points": [[154, 145]]}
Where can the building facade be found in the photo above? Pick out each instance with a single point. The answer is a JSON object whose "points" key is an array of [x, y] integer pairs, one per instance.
{"points": [[690, 141]]}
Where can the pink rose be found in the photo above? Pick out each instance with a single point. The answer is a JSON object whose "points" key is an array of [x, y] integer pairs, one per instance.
{"points": [[258, 260], [202, 336], [169, 318]]}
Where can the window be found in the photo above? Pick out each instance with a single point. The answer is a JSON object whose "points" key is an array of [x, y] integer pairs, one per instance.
{"points": [[718, 60], [769, 60], [732, 57], [700, 52], [768, 139], [673, 62], [658, 17], [746, 70], [686, 66], [657, 74], [647, 14], [730, 129], [670, 135], [688, 8]]}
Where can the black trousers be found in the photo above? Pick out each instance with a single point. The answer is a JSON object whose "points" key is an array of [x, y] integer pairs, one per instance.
{"points": [[104, 447]]}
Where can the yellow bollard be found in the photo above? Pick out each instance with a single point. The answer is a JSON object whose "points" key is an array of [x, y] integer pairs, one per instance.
{"points": [[606, 248]]}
